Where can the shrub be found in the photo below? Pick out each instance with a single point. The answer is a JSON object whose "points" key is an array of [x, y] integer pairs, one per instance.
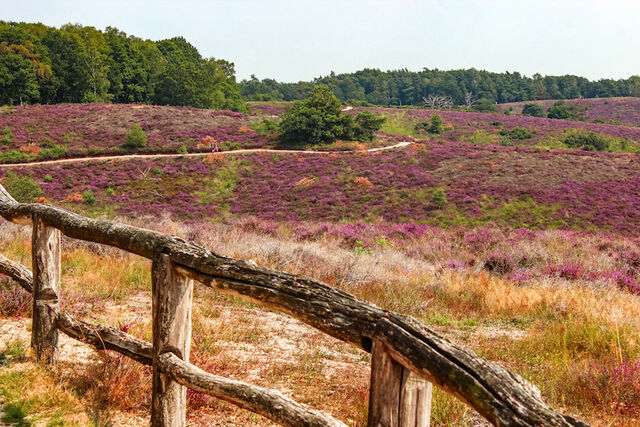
{"points": [[533, 110], [53, 152], [588, 141], [439, 197], [485, 105], [182, 150], [435, 124], [265, 126], [22, 187], [14, 301], [560, 110], [110, 191], [88, 198], [136, 138], [48, 178], [7, 135], [516, 133], [13, 156], [366, 124]]}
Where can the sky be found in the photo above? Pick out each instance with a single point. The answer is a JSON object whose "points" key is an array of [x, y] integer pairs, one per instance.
{"points": [[293, 40]]}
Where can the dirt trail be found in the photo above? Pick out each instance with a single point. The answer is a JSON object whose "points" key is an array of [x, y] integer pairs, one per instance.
{"points": [[152, 156]]}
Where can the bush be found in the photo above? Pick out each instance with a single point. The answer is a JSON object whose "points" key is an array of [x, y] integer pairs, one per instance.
{"points": [[54, 152], [265, 126], [7, 135], [516, 133], [560, 110], [88, 198], [48, 178], [533, 110], [485, 105], [437, 124], [22, 187], [13, 156], [136, 138], [439, 197], [434, 125], [588, 141], [366, 124], [182, 150]]}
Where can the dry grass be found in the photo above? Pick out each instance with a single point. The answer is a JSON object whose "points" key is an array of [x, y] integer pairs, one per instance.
{"points": [[576, 340]]}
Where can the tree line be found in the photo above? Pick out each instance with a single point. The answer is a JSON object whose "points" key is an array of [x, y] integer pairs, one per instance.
{"points": [[42, 64], [74, 63], [461, 87]]}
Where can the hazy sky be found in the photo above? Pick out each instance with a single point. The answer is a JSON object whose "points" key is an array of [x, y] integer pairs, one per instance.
{"points": [[297, 40]]}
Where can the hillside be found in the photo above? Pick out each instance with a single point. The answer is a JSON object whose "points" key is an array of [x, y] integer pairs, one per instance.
{"points": [[98, 129], [523, 250], [43, 132], [621, 109], [508, 186]]}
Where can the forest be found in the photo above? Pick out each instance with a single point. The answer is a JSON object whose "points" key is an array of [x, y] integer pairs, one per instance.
{"points": [[46, 65], [469, 88]]}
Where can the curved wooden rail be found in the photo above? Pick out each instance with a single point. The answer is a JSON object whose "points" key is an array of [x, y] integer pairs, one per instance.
{"points": [[501, 396], [269, 403]]}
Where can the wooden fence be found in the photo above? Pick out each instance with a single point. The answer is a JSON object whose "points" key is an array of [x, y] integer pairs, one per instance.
{"points": [[406, 355]]}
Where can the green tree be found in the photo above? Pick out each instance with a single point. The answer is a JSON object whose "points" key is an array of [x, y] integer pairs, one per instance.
{"points": [[439, 197], [136, 138], [436, 124], [366, 125], [94, 60], [559, 110], [533, 110], [22, 66], [485, 105], [22, 187], [316, 120], [70, 80]]}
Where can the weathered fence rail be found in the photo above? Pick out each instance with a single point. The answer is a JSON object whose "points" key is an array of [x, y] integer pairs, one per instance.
{"points": [[406, 354]]}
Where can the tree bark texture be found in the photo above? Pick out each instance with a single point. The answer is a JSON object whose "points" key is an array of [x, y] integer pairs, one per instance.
{"points": [[46, 290], [172, 298]]}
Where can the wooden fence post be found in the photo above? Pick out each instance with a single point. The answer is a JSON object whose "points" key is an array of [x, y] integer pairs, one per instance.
{"points": [[397, 397], [45, 253], [172, 297]]}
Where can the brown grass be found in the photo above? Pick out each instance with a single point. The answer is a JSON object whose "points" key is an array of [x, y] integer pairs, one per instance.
{"points": [[576, 340]]}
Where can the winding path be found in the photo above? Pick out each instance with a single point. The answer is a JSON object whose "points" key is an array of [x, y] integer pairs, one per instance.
{"points": [[169, 156]]}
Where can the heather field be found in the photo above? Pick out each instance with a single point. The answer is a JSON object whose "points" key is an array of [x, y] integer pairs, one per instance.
{"points": [[45, 132], [510, 187], [73, 130], [622, 109], [526, 254], [497, 129]]}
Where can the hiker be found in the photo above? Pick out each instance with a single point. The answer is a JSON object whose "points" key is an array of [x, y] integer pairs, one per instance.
{"points": [[215, 148]]}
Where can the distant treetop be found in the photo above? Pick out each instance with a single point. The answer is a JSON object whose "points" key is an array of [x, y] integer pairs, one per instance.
{"points": [[463, 87]]}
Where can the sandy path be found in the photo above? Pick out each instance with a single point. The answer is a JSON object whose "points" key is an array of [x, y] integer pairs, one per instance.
{"points": [[169, 156]]}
